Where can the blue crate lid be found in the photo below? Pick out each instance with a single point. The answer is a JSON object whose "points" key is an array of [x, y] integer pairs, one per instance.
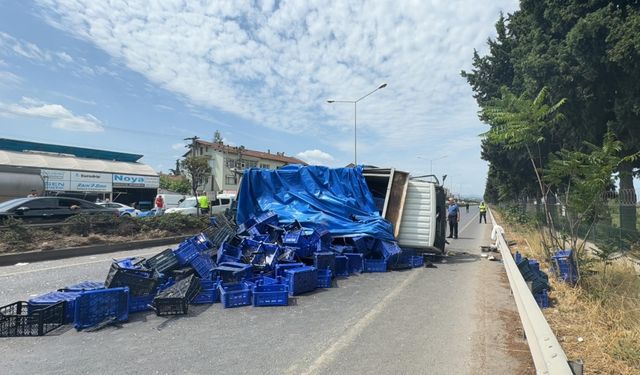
{"points": [[54, 297], [84, 285]]}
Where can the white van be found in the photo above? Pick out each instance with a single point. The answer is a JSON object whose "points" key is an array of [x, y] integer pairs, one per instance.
{"points": [[221, 203], [190, 205], [170, 200]]}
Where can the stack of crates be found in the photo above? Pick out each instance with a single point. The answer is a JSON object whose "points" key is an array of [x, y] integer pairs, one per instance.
{"points": [[564, 267]]}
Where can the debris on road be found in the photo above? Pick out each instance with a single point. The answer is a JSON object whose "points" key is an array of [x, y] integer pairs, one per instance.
{"points": [[291, 238]]}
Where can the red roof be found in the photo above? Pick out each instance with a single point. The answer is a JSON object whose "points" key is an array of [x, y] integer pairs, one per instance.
{"points": [[256, 154]]}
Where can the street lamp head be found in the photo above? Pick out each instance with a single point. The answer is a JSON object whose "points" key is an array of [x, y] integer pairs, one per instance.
{"points": [[330, 101], [382, 86]]}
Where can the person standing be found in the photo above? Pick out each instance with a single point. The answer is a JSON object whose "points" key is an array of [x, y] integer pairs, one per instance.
{"points": [[159, 202], [483, 212], [203, 203], [467, 206], [453, 216]]}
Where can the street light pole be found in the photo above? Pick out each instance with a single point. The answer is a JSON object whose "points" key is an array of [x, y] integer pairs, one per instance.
{"points": [[431, 161], [355, 119]]}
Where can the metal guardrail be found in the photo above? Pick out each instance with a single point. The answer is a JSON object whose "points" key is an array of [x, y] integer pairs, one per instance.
{"points": [[548, 356]]}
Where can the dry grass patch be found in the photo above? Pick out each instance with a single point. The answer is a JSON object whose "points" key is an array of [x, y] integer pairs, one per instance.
{"points": [[597, 321]]}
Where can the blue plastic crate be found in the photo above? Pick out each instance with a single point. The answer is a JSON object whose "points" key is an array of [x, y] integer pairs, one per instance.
{"points": [[96, 306], [325, 260], [49, 299], [517, 257], [356, 262], [375, 265], [535, 265], [82, 286], [282, 267], [140, 303], [235, 295], [202, 242], [293, 238], [342, 265], [324, 278], [276, 294], [207, 296], [186, 252], [230, 253], [542, 299], [301, 279], [203, 265], [416, 261], [233, 271]]}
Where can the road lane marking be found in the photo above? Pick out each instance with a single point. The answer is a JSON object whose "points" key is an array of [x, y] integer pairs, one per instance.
{"points": [[469, 223], [64, 266], [329, 355]]}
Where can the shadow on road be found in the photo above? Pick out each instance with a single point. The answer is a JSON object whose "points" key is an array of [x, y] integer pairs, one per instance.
{"points": [[460, 257]]}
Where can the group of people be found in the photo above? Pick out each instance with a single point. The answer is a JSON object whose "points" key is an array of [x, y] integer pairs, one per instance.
{"points": [[453, 216], [203, 202]]}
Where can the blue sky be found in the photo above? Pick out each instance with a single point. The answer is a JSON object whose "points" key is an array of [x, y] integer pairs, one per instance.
{"points": [[140, 78]]}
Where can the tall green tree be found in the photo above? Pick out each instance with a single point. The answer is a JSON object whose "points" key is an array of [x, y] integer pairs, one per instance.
{"points": [[584, 51], [521, 124]]}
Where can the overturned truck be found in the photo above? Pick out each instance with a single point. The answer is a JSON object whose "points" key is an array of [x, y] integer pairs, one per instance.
{"points": [[385, 204], [415, 206]]}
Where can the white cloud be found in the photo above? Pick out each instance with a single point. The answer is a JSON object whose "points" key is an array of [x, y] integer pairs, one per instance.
{"points": [[316, 157], [276, 64], [9, 79], [61, 117], [178, 146]]}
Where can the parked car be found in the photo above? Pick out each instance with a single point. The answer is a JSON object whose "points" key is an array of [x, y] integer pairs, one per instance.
{"points": [[50, 209], [189, 206], [122, 208], [170, 200]]}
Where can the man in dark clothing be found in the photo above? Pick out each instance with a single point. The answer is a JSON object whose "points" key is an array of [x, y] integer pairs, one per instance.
{"points": [[453, 216], [467, 206]]}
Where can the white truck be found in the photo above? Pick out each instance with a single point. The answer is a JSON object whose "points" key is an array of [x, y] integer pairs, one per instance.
{"points": [[414, 205]]}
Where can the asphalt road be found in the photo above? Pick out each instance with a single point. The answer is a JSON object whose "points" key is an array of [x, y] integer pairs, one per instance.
{"points": [[457, 318]]}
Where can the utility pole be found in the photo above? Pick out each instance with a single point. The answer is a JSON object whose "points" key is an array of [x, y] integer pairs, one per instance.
{"points": [[192, 146]]}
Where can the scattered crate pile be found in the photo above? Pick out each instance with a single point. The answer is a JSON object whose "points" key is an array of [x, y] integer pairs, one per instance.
{"points": [[260, 262], [538, 279]]}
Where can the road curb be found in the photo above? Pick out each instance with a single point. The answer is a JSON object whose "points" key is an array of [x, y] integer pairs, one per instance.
{"points": [[70, 252]]}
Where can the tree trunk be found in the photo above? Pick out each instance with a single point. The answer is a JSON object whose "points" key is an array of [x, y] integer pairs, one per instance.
{"points": [[628, 199]]}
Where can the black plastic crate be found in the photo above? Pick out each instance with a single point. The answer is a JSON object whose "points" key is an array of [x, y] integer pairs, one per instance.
{"points": [[139, 281], [16, 320], [164, 261], [182, 272], [175, 299]]}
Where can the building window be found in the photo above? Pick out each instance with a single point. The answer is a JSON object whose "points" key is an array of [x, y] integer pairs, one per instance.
{"points": [[230, 179], [240, 164], [201, 151], [251, 163], [265, 166], [231, 163]]}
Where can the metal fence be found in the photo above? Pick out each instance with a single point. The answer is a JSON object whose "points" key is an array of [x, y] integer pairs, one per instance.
{"points": [[604, 231]]}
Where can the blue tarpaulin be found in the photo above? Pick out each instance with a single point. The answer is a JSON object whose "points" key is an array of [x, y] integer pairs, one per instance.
{"points": [[318, 197]]}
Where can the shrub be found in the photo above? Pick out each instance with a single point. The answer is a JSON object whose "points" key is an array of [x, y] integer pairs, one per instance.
{"points": [[15, 232]]}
